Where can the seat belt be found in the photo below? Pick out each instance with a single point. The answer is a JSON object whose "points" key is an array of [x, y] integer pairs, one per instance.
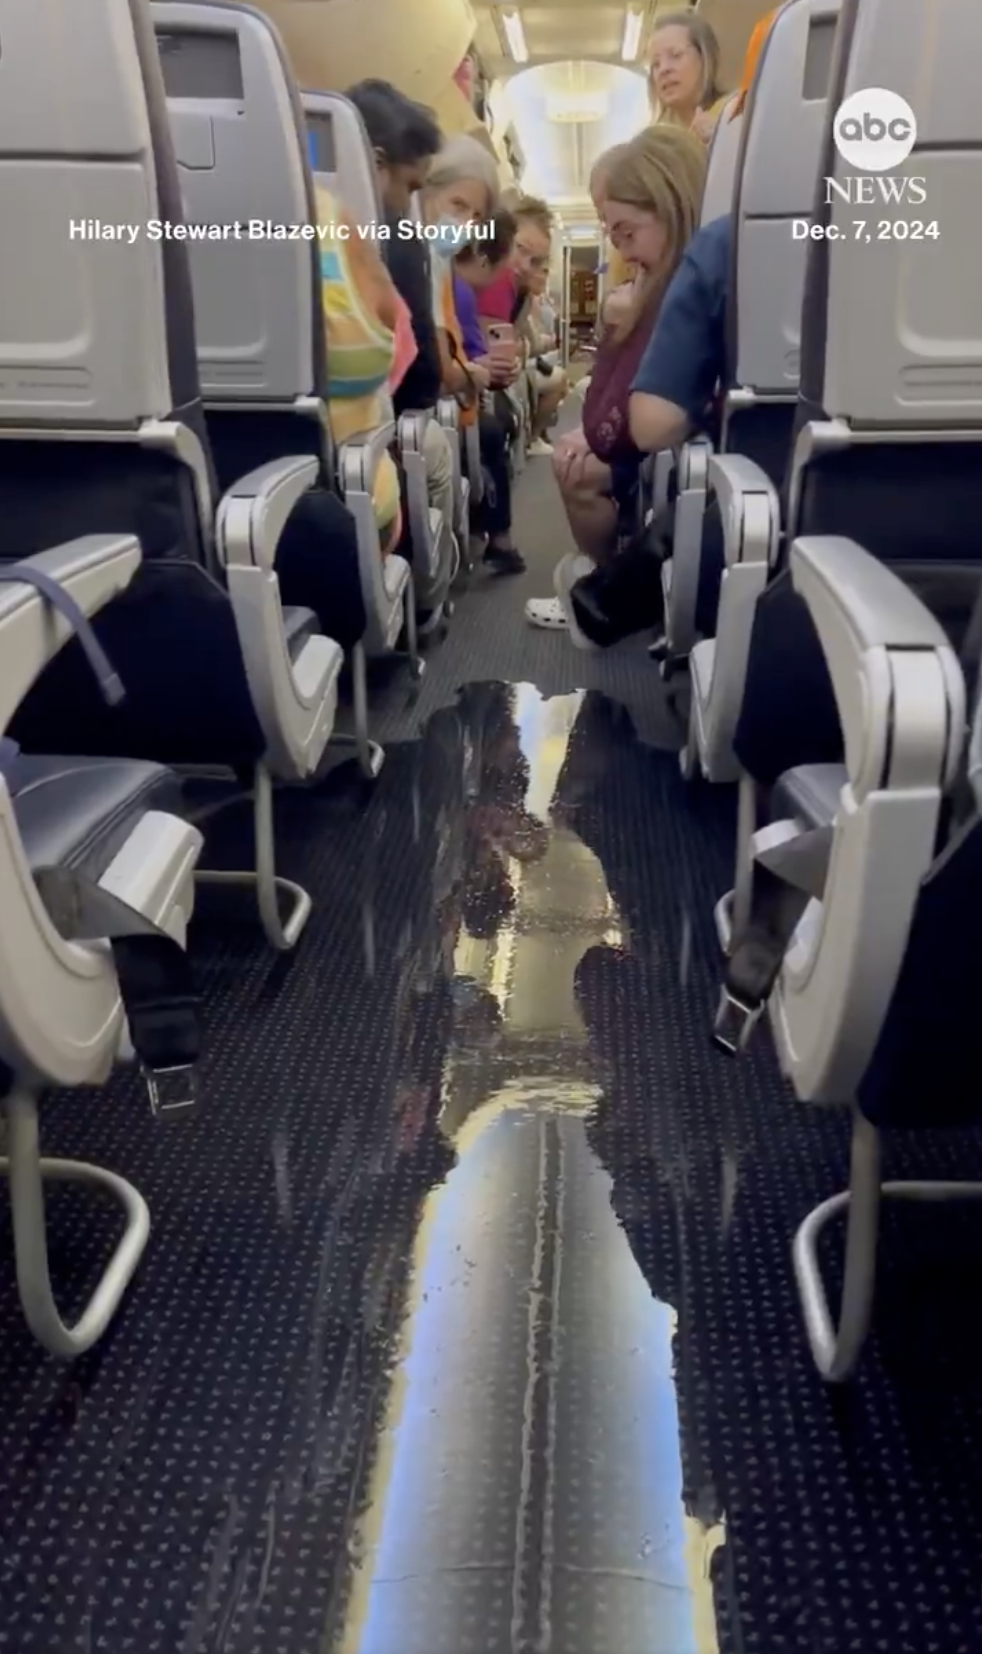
{"points": [[25, 574], [156, 982], [785, 879]]}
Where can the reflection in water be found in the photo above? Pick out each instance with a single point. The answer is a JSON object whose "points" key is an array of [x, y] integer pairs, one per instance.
{"points": [[528, 1490]]}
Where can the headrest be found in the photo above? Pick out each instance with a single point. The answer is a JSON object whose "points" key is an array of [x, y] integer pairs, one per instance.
{"points": [[341, 155], [721, 166], [84, 337], [240, 139], [778, 164], [894, 322]]}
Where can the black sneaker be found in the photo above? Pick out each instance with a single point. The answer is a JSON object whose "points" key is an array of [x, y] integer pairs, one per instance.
{"points": [[504, 560]]}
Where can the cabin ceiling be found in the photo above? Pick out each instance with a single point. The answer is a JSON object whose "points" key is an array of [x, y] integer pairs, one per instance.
{"points": [[574, 61]]}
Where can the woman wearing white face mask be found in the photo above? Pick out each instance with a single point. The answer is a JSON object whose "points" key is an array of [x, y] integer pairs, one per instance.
{"points": [[463, 189]]}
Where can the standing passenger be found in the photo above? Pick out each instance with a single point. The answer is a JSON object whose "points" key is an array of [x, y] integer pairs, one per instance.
{"points": [[683, 78]]}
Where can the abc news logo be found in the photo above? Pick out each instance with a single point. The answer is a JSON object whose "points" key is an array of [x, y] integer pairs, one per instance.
{"points": [[875, 131]]}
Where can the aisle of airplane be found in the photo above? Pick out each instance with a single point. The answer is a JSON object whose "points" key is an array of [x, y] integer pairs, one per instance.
{"points": [[499, 1050]]}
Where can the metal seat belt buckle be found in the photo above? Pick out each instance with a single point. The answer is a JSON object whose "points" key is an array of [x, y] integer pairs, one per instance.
{"points": [[735, 1023], [172, 1091]]}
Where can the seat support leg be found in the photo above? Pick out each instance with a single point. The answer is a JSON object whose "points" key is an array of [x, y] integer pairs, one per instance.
{"points": [[837, 1349], [371, 756], [281, 932], [27, 1171], [417, 665]]}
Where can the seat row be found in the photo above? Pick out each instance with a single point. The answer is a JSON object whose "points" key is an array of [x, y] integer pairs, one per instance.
{"points": [[833, 660], [177, 527]]}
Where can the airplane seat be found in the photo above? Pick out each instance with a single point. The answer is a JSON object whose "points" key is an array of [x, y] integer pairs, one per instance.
{"points": [[465, 449], [889, 422], [468, 474], [722, 162], [856, 932], [97, 866], [862, 906], [240, 138], [343, 163], [776, 169], [101, 432]]}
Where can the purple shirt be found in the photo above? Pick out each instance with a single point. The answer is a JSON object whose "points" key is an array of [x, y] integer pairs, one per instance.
{"points": [[465, 304]]}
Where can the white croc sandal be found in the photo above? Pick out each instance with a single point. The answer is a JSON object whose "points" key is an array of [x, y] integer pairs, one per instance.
{"points": [[547, 613]]}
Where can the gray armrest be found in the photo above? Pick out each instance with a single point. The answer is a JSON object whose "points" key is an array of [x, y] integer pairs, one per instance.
{"points": [[253, 513], [294, 699], [693, 463], [360, 458], [448, 413], [93, 570], [749, 507], [897, 682], [412, 429], [662, 466], [866, 596]]}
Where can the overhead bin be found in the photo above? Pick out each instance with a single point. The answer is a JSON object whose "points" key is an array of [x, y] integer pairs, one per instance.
{"points": [[416, 44]]}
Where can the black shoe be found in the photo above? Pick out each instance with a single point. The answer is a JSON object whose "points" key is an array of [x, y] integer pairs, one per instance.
{"points": [[504, 560]]}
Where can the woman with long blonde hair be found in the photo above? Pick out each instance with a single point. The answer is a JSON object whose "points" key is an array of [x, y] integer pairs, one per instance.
{"points": [[683, 74], [652, 209]]}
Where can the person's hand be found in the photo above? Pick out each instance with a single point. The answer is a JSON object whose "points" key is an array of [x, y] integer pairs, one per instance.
{"points": [[617, 304], [704, 125], [503, 371], [569, 453], [480, 375]]}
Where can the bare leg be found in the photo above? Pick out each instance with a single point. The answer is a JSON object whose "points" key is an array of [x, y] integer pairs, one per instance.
{"points": [[547, 405], [591, 512]]}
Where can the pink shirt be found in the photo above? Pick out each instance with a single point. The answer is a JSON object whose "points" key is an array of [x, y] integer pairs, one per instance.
{"points": [[498, 301]]}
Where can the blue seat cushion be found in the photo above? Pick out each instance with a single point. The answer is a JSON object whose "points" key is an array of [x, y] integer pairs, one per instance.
{"points": [[79, 812]]}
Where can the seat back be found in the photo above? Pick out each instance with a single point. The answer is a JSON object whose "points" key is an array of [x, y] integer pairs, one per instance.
{"points": [[721, 166], [894, 335], [341, 156], [776, 172], [100, 421], [84, 340], [889, 445], [892, 348], [240, 138]]}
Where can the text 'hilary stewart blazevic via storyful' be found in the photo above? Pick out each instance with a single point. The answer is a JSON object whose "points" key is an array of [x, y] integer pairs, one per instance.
{"points": [[262, 229]]}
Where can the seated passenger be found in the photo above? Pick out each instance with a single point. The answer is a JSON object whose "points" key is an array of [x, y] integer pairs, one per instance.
{"points": [[405, 138], [683, 74], [549, 381], [675, 387], [620, 274], [474, 269], [674, 396], [652, 208], [462, 189], [360, 319], [506, 302]]}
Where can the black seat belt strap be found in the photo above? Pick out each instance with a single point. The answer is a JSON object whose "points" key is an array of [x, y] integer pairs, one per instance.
{"points": [[785, 879], [156, 983]]}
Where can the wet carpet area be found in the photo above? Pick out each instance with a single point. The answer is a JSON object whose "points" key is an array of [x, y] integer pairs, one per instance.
{"points": [[468, 1324]]}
